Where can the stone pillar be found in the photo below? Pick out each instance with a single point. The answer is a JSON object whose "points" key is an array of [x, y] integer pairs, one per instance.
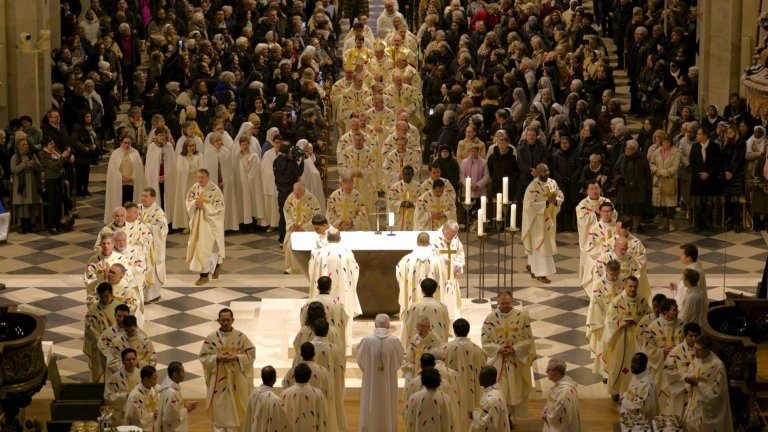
{"points": [[17, 69]]}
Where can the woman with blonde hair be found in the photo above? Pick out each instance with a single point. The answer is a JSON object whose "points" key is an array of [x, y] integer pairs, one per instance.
{"points": [[664, 164]]}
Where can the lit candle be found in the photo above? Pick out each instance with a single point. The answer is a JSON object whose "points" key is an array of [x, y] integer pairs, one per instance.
{"points": [[391, 219], [480, 221], [513, 212], [484, 204], [505, 190], [498, 207], [468, 194]]}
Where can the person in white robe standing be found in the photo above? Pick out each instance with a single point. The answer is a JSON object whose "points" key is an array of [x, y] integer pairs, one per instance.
{"points": [[448, 245], [172, 410], [141, 405], [227, 356], [674, 394], [153, 217], [205, 248], [247, 163], [118, 384], [265, 409], [187, 163], [125, 177], [188, 133], [311, 176], [271, 208], [379, 356], [218, 162], [640, 397], [305, 406], [561, 413], [491, 415], [428, 306], [248, 131], [160, 168], [709, 407], [299, 209], [338, 263], [428, 409], [541, 204], [587, 213], [418, 265], [466, 358]]}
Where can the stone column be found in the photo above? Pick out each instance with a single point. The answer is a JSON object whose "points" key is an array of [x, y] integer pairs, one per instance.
{"points": [[17, 69]]}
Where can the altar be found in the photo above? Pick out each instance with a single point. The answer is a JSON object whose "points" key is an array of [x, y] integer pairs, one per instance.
{"points": [[377, 255]]}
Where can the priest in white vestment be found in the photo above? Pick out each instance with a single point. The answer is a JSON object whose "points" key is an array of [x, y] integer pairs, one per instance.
{"points": [[141, 405], [338, 263], [188, 161], [424, 341], [265, 409], [380, 356], [334, 310], [640, 397], [155, 219], [674, 391], [126, 291], [709, 407], [227, 356], [429, 307], [332, 356], [97, 268], [160, 168], [434, 208], [397, 159], [117, 224], [137, 259], [172, 410], [561, 412], [269, 187], [603, 291], [125, 176], [629, 267], [541, 204], [247, 165], [118, 384], [418, 265], [131, 337], [491, 414], [299, 209], [507, 340], [311, 175], [205, 248], [401, 199], [346, 207], [429, 409], [587, 213], [600, 239], [466, 358], [359, 161], [305, 406], [435, 174], [660, 337], [100, 316], [620, 335], [447, 244], [218, 162]]}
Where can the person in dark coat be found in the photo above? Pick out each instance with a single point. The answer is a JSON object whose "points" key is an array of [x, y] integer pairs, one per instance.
{"points": [[632, 179], [589, 143], [530, 152], [54, 128], [564, 169], [449, 134], [637, 56], [449, 166], [596, 170], [706, 179], [502, 162], [734, 160]]}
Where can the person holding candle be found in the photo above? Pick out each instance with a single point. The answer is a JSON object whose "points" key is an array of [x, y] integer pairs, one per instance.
{"points": [[542, 201]]}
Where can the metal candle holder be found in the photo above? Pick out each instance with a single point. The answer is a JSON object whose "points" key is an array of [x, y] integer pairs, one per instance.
{"points": [[481, 274], [467, 209]]}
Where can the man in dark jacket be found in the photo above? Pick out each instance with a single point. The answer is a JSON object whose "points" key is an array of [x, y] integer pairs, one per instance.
{"points": [[287, 172], [637, 56], [54, 128], [502, 162], [530, 152], [632, 177], [565, 171], [706, 179]]}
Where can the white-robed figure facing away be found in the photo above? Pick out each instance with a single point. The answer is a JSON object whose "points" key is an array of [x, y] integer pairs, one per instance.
{"points": [[218, 161], [379, 356], [205, 248], [311, 176], [306, 406], [160, 168], [271, 207], [541, 204], [418, 265], [338, 263], [561, 412], [188, 161], [490, 413], [429, 409], [155, 219], [188, 133], [507, 340], [172, 410], [227, 356], [125, 177], [467, 359], [265, 409], [708, 406], [247, 165], [429, 307]]}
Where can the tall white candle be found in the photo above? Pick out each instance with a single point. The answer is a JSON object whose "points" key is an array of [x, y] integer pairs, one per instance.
{"points": [[480, 221], [505, 190], [391, 219], [513, 212], [499, 215], [468, 188], [484, 204]]}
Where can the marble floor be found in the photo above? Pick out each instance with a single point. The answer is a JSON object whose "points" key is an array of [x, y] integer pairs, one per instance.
{"points": [[43, 275]]}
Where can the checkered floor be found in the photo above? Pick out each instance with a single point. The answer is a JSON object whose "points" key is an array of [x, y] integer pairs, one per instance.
{"points": [[43, 275]]}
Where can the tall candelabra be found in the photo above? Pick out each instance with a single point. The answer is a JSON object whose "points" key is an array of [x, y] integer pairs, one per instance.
{"points": [[467, 209]]}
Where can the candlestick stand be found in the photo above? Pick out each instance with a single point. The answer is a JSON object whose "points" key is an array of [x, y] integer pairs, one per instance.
{"points": [[511, 231], [499, 225], [467, 208], [391, 229], [481, 298]]}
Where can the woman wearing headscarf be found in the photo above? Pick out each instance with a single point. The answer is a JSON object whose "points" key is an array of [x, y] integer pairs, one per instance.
{"points": [[269, 187], [311, 176], [754, 150], [520, 107], [247, 165], [27, 186]]}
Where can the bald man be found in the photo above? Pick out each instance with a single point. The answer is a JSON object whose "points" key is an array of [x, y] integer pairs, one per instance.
{"points": [[541, 204]]}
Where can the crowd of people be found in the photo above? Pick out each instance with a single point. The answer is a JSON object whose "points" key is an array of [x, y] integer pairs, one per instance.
{"points": [[232, 109]]}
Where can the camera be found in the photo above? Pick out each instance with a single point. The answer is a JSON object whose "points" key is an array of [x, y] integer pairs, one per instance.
{"points": [[296, 154]]}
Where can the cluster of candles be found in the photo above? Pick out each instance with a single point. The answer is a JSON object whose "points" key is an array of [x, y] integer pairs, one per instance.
{"points": [[502, 199]]}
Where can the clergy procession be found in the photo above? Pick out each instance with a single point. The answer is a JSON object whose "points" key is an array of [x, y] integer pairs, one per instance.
{"points": [[220, 120]]}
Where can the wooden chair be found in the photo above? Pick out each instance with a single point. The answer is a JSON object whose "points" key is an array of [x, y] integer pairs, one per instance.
{"points": [[72, 391]]}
